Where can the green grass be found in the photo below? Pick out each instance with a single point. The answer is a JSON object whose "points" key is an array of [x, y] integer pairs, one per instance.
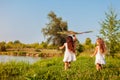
{"points": [[53, 69], [13, 70]]}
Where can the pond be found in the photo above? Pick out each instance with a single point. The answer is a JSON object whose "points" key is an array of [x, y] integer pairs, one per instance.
{"points": [[7, 58]]}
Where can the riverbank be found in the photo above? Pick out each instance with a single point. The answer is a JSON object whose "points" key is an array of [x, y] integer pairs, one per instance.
{"points": [[53, 69], [32, 52], [28, 59]]}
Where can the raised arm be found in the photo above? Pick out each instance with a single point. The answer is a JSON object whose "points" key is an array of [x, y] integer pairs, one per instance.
{"points": [[61, 47], [74, 38]]}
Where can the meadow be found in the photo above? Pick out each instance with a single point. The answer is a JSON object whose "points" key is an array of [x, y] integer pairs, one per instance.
{"points": [[53, 69]]}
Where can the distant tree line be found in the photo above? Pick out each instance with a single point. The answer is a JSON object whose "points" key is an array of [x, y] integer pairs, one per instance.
{"points": [[17, 45]]}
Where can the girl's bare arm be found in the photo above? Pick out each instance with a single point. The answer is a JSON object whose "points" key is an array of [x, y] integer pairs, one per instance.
{"points": [[61, 47]]}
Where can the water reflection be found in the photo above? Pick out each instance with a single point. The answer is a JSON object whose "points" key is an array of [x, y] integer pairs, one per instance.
{"points": [[6, 58]]}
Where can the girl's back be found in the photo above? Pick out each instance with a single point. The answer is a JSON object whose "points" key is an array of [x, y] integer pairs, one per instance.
{"points": [[99, 57]]}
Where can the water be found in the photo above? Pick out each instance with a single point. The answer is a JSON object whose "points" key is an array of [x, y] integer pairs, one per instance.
{"points": [[7, 58]]}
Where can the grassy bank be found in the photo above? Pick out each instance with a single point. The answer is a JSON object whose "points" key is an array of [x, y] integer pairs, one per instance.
{"points": [[32, 52], [53, 69]]}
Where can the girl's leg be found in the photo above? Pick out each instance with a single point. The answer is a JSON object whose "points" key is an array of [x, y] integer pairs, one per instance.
{"points": [[98, 67], [69, 64], [66, 65]]}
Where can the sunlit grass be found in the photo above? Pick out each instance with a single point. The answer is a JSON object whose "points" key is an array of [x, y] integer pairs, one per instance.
{"points": [[53, 69], [82, 69]]}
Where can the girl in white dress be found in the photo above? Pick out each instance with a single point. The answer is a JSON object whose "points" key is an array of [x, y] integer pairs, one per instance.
{"points": [[99, 53], [69, 54]]}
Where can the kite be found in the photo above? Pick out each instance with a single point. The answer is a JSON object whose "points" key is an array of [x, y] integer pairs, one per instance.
{"points": [[73, 32]]}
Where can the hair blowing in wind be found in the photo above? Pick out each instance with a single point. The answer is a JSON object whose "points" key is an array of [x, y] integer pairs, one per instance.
{"points": [[70, 43]]}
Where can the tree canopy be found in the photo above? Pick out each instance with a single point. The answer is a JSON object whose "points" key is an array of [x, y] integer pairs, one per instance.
{"points": [[55, 25], [110, 31]]}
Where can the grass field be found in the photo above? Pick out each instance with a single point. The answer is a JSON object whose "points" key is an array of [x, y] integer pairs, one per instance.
{"points": [[53, 69]]}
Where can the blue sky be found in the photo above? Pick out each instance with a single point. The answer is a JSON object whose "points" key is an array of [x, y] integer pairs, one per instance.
{"points": [[23, 19]]}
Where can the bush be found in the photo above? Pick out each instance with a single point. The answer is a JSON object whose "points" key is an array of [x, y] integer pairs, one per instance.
{"points": [[2, 46]]}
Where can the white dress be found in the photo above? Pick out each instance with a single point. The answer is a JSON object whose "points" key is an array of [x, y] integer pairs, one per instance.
{"points": [[68, 55], [100, 58]]}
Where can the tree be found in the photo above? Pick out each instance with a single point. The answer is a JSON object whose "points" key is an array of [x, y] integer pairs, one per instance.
{"points": [[88, 44], [55, 25], [10, 44], [79, 47], [35, 45], [18, 45], [43, 45], [17, 42], [2, 46], [110, 31]]}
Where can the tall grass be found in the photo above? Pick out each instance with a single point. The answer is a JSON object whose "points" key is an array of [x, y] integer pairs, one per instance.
{"points": [[53, 69], [82, 69], [13, 70]]}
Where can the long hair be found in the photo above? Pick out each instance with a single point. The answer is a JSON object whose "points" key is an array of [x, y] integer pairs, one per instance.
{"points": [[70, 43], [101, 44]]}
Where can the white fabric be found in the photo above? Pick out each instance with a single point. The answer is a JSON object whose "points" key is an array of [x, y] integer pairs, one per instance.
{"points": [[68, 55], [100, 58]]}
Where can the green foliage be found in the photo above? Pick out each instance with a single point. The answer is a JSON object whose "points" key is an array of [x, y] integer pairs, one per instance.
{"points": [[43, 45], [13, 70], [79, 47], [17, 42], [55, 25], [51, 46], [88, 45], [110, 31], [87, 41], [2, 46], [34, 45], [17, 45], [53, 69], [10, 44], [82, 69]]}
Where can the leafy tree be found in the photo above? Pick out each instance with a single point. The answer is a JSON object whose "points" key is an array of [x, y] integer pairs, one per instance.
{"points": [[110, 31], [43, 45], [35, 45], [87, 41], [55, 25], [79, 47], [10, 44], [2, 46], [17, 42], [18, 45], [88, 44]]}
